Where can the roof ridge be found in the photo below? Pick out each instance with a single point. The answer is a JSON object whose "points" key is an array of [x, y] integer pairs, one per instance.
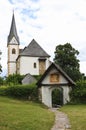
{"points": [[59, 69], [34, 49]]}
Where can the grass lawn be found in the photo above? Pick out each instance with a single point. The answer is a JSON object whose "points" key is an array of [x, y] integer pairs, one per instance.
{"points": [[77, 116], [24, 115]]}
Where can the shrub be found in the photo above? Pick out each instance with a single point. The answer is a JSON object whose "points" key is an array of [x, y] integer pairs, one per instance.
{"points": [[14, 79], [1, 81], [37, 77], [3, 90], [78, 94], [21, 91]]}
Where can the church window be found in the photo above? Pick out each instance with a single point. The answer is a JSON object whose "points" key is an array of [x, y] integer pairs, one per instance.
{"points": [[13, 51], [34, 65]]}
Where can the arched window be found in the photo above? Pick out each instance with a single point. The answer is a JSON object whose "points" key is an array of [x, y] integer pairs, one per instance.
{"points": [[34, 65], [13, 51]]}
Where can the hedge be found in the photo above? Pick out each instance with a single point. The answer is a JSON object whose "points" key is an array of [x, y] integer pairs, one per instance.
{"points": [[78, 94], [29, 92]]}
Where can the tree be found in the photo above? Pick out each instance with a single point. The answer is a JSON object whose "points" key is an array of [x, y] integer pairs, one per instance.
{"points": [[78, 94], [14, 79], [1, 81], [0, 64], [66, 57]]}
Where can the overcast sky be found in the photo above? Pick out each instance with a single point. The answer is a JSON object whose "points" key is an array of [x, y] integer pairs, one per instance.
{"points": [[49, 22]]}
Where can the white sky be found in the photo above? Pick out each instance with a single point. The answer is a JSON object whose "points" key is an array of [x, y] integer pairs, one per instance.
{"points": [[49, 22]]}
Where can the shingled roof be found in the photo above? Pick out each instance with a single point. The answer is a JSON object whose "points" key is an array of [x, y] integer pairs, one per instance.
{"points": [[34, 49], [13, 31], [28, 79]]}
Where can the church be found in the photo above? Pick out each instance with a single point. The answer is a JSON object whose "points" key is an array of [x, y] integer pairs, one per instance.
{"points": [[32, 59]]}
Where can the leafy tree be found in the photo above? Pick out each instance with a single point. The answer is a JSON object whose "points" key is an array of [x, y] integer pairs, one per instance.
{"points": [[66, 57], [14, 79], [78, 94], [0, 63]]}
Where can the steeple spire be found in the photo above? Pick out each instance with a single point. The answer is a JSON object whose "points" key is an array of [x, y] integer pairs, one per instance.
{"points": [[13, 30]]}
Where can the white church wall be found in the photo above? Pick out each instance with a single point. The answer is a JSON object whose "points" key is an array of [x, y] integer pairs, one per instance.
{"points": [[12, 68], [12, 58], [46, 96], [27, 65], [66, 97]]}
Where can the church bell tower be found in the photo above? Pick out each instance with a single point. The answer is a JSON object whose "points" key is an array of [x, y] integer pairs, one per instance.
{"points": [[13, 47]]}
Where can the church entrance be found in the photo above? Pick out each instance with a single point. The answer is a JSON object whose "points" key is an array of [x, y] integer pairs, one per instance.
{"points": [[57, 97], [55, 86]]}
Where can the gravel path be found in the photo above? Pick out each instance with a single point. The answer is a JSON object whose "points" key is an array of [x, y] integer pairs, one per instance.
{"points": [[61, 121]]}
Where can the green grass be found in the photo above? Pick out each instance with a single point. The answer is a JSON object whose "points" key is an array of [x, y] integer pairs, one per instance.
{"points": [[77, 116], [24, 115]]}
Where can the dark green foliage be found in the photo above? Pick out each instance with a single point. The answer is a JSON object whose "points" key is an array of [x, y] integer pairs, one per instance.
{"points": [[29, 92], [78, 94], [1, 81], [66, 57], [37, 77], [14, 79], [0, 63], [0, 68], [57, 97], [3, 91]]}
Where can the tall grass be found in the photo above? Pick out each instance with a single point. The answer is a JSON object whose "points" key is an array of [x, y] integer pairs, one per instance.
{"points": [[24, 115], [77, 116]]}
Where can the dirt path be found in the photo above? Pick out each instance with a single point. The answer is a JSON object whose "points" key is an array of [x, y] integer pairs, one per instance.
{"points": [[61, 121]]}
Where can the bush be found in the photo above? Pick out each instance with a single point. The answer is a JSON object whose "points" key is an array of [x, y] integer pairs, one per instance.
{"points": [[3, 90], [21, 91], [78, 94], [1, 81], [37, 77], [14, 79]]}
